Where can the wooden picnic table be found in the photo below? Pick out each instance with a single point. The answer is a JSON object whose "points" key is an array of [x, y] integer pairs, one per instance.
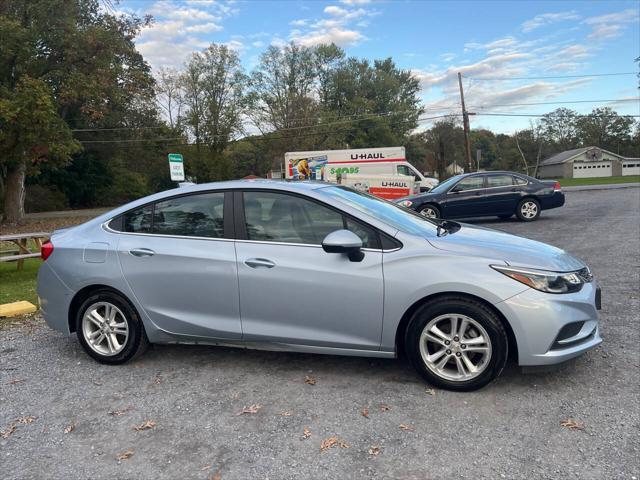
{"points": [[21, 240]]}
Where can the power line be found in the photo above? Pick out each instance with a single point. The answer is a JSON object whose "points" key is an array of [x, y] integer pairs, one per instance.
{"points": [[505, 114], [556, 103], [551, 77]]}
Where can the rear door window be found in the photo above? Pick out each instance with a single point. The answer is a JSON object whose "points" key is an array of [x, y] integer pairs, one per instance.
{"points": [[499, 181], [138, 221], [190, 216]]}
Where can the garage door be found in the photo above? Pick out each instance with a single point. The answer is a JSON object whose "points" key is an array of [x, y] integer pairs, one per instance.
{"points": [[631, 168], [591, 169]]}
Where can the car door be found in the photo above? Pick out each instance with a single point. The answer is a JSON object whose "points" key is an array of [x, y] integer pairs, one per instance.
{"points": [[291, 290], [181, 268], [501, 194], [466, 198]]}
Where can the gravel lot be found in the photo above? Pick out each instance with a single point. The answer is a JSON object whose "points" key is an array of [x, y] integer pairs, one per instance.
{"points": [[510, 429]]}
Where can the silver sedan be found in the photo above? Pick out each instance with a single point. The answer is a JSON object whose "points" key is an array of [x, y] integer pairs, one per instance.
{"points": [[320, 268]]}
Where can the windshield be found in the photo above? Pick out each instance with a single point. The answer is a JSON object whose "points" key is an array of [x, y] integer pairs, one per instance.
{"points": [[444, 186], [387, 212]]}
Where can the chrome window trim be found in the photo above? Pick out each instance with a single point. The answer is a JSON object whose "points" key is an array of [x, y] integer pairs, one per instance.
{"points": [[106, 227]]}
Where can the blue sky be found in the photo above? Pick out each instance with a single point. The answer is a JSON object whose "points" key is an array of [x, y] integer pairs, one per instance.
{"points": [[487, 41]]}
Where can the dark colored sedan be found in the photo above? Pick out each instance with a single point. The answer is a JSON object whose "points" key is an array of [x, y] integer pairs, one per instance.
{"points": [[487, 194]]}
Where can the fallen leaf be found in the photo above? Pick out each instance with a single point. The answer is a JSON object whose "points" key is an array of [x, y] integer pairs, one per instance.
{"points": [[430, 391], [286, 414], [251, 409], [306, 433], [26, 420], [206, 467], [374, 451], [309, 380], [404, 426], [343, 444], [328, 443], [385, 408], [125, 455], [365, 412], [6, 433], [70, 428], [15, 381], [118, 413], [572, 424], [148, 425]]}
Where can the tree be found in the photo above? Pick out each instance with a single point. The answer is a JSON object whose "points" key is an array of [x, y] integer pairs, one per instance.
{"points": [[170, 95], [606, 129], [215, 97], [84, 60], [560, 128], [31, 132]]}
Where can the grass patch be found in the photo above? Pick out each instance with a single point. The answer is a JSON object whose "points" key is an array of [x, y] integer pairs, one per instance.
{"points": [[16, 285], [570, 182]]}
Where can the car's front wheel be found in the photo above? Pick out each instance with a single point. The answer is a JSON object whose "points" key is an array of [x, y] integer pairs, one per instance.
{"points": [[109, 328], [528, 210], [457, 343], [429, 211]]}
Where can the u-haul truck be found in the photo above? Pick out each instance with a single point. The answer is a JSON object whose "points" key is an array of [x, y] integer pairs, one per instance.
{"points": [[388, 187], [328, 165]]}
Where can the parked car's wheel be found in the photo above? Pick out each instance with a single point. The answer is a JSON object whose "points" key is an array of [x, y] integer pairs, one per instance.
{"points": [[505, 216], [109, 328], [528, 209], [456, 343], [429, 211]]}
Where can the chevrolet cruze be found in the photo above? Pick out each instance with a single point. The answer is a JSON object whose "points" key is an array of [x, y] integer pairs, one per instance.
{"points": [[319, 268]]}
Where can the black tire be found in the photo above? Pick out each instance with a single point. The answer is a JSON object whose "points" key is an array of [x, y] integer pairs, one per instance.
{"points": [[505, 216], [525, 209], [480, 313], [426, 209], [136, 342]]}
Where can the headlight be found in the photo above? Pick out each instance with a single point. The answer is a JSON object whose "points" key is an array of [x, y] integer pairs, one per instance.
{"points": [[406, 203], [550, 282]]}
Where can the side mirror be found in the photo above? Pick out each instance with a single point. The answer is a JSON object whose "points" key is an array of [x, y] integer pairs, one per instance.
{"points": [[344, 241]]}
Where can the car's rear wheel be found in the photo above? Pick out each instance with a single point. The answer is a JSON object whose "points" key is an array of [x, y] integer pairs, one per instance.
{"points": [[528, 209], [457, 343], [429, 211], [109, 328]]}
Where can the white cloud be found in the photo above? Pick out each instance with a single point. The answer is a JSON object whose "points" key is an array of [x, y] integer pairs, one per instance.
{"points": [[203, 28], [258, 44], [299, 23], [340, 36], [355, 2], [611, 25], [337, 11], [545, 19]]}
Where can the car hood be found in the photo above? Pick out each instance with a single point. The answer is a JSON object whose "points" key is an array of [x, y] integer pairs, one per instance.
{"points": [[514, 250]]}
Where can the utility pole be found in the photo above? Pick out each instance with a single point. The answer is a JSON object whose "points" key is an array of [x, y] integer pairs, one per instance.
{"points": [[465, 125]]}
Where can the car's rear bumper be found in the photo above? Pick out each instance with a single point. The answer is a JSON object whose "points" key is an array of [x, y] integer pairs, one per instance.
{"points": [[550, 328], [55, 298], [552, 201]]}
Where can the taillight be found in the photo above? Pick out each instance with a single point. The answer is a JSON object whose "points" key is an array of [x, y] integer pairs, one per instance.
{"points": [[557, 187], [46, 250]]}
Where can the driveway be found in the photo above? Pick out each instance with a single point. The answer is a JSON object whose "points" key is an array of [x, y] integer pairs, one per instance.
{"points": [[65, 416]]}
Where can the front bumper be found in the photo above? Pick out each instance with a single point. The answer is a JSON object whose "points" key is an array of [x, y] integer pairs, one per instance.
{"points": [[537, 320]]}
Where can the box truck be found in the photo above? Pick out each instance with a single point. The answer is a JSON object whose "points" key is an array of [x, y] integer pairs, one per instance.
{"points": [[327, 165]]}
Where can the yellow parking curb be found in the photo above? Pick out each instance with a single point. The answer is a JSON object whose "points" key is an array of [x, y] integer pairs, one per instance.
{"points": [[16, 308]]}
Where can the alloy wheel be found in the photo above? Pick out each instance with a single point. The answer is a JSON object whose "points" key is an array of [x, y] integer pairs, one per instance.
{"points": [[428, 212], [455, 347], [105, 328], [529, 210]]}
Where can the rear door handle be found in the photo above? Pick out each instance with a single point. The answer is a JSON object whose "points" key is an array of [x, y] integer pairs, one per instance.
{"points": [[259, 263], [142, 252]]}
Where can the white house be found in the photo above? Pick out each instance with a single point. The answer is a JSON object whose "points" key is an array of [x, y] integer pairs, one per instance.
{"points": [[588, 162]]}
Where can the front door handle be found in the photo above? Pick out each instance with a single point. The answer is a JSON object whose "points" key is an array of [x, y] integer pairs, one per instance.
{"points": [[142, 252], [259, 263]]}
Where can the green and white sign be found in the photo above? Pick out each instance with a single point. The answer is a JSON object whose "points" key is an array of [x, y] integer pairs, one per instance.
{"points": [[176, 167]]}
